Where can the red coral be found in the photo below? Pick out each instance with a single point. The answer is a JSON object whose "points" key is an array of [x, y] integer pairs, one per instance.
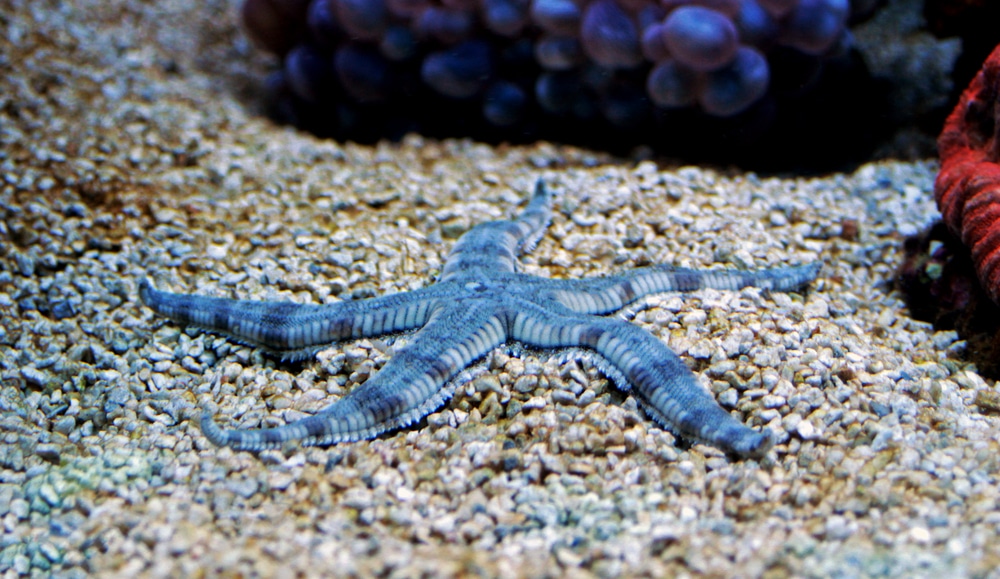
{"points": [[968, 187]]}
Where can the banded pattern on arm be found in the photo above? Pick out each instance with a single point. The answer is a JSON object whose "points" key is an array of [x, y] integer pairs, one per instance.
{"points": [[602, 296], [412, 384], [288, 328], [662, 383], [495, 245]]}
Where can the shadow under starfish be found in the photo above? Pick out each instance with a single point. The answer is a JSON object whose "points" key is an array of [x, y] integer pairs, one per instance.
{"points": [[480, 302]]}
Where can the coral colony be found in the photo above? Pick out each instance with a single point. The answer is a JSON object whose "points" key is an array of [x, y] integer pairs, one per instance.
{"points": [[968, 186], [619, 62]]}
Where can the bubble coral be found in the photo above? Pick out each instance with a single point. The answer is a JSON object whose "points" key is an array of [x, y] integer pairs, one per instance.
{"points": [[967, 188], [513, 63]]}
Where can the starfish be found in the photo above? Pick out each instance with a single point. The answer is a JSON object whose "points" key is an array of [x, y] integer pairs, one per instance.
{"points": [[480, 302]]}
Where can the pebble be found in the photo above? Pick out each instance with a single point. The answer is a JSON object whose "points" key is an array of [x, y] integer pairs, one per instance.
{"points": [[49, 452], [806, 430], [19, 508], [35, 377]]}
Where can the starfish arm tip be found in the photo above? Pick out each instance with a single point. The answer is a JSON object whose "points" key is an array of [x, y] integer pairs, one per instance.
{"points": [[754, 444], [211, 430], [146, 290]]}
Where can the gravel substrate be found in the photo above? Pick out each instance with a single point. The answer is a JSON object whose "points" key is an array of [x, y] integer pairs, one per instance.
{"points": [[128, 148]]}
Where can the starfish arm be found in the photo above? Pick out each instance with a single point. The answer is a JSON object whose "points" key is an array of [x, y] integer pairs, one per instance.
{"points": [[289, 328], [493, 246], [414, 383], [640, 363], [599, 296]]}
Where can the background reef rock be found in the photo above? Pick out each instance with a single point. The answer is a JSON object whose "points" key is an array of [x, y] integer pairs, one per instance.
{"points": [[131, 145]]}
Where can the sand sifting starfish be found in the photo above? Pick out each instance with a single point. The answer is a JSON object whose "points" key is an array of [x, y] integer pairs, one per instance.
{"points": [[481, 302]]}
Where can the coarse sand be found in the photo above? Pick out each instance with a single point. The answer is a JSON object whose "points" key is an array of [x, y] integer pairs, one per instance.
{"points": [[132, 145]]}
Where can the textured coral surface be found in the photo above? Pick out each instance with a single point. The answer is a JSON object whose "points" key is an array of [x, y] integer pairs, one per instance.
{"points": [[692, 52], [968, 186], [641, 71]]}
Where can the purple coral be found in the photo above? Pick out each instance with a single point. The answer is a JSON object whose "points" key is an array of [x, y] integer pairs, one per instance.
{"points": [[700, 38], [516, 60], [609, 35]]}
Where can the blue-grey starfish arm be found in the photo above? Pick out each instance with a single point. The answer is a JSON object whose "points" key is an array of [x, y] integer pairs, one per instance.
{"points": [[638, 362], [493, 247], [411, 385], [294, 330], [604, 295]]}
